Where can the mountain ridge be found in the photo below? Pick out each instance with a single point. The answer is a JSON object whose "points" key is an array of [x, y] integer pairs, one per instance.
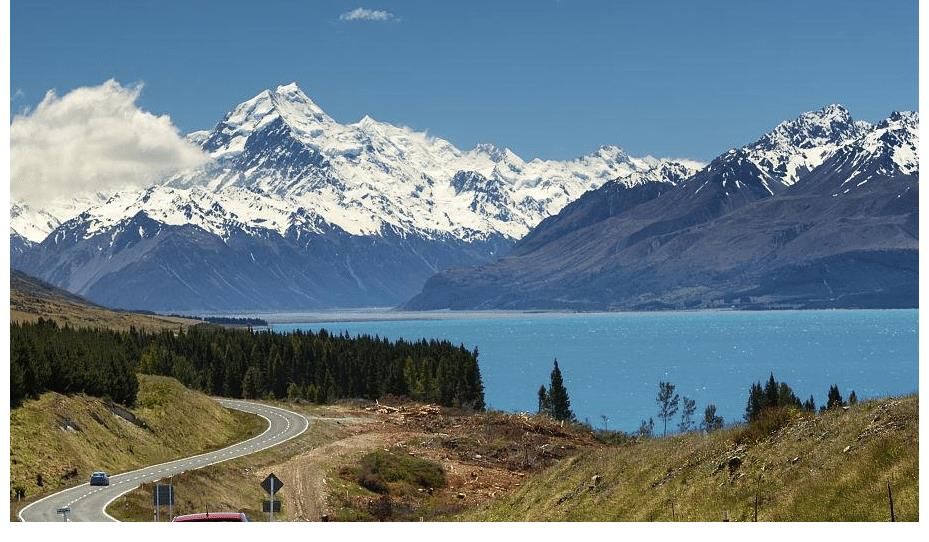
{"points": [[737, 234], [296, 210]]}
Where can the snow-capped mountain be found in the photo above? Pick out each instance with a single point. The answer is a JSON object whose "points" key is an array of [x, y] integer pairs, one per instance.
{"points": [[820, 212], [887, 150], [284, 172], [34, 224], [796, 147], [370, 175]]}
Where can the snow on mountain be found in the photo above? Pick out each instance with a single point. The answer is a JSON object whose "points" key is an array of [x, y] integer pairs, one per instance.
{"points": [[898, 137], [796, 147], [370, 175], [889, 149], [219, 213], [35, 224]]}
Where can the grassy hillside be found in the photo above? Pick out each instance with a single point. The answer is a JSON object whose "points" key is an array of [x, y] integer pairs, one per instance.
{"points": [[829, 467], [31, 299], [235, 485], [65, 438]]}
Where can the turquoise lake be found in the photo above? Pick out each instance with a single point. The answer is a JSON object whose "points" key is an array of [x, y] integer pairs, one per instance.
{"points": [[612, 363]]}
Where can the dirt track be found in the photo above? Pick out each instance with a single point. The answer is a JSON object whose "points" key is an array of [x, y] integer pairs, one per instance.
{"points": [[305, 474]]}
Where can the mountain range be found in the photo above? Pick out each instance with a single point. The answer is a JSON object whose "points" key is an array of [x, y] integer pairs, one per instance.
{"points": [[295, 211], [821, 212]]}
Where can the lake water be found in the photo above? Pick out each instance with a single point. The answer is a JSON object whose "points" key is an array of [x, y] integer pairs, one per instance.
{"points": [[612, 363]]}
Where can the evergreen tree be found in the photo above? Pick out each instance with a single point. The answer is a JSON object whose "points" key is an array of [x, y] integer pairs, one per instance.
{"points": [[786, 396], [543, 400], [834, 398], [647, 428], [711, 422], [17, 382], [809, 405], [774, 394], [771, 392], [687, 415], [852, 398], [322, 366], [756, 402], [667, 403], [560, 404], [294, 392]]}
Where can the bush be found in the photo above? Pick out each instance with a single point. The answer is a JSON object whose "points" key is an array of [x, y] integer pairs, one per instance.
{"points": [[768, 422], [379, 469]]}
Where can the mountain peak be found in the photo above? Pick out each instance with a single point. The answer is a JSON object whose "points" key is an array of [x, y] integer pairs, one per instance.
{"points": [[832, 124], [289, 88], [495, 153], [287, 103]]}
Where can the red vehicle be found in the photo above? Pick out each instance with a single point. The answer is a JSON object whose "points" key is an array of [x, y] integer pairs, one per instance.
{"points": [[213, 516]]}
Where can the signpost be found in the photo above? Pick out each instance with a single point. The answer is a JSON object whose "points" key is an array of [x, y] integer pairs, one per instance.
{"points": [[64, 511], [163, 495], [272, 485], [266, 506]]}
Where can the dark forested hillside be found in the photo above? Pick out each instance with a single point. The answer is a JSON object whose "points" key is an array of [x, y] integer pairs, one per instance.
{"points": [[318, 367]]}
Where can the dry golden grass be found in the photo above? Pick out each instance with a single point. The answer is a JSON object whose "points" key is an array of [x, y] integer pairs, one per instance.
{"points": [[31, 299], [829, 467]]}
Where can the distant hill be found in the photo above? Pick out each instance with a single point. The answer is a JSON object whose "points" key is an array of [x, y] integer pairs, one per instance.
{"points": [[833, 466], [31, 299]]}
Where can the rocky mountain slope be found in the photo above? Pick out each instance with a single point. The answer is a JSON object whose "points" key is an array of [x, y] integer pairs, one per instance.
{"points": [[820, 212], [296, 211]]}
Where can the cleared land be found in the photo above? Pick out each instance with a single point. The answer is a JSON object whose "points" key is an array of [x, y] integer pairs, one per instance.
{"points": [[482, 456]]}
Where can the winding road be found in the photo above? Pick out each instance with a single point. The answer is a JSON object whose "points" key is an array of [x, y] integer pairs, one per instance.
{"points": [[89, 503]]}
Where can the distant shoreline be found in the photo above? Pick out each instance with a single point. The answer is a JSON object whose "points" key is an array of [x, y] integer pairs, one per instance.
{"points": [[381, 314]]}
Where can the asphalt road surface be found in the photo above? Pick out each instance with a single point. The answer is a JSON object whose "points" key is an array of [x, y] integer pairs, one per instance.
{"points": [[89, 503]]}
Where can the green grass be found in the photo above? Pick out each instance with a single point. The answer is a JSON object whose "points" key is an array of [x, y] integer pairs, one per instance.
{"points": [[65, 438], [833, 466]]}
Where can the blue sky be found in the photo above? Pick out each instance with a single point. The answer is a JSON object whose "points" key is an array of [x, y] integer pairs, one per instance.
{"points": [[554, 79]]}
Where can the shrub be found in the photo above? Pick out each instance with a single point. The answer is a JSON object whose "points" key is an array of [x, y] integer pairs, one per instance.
{"points": [[768, 422], [379, 469]]}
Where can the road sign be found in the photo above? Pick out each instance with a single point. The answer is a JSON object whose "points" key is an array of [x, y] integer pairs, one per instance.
{"points": [[272, 484], [266, 506], [163, 495]]}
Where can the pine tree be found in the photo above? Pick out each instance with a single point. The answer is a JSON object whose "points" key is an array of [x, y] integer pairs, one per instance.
{"points": [[687, 415], [809, 405], [667, 403], [558, 396], [756, 402], [543, 400], [852, 398], [771, 393], [834, 399]]}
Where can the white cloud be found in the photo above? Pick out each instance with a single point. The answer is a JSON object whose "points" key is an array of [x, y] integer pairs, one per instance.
{"points": [[93, 139], [365, 14]]}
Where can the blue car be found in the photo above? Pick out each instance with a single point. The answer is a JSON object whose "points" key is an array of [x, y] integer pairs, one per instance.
{"points": [[99, 479]]}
